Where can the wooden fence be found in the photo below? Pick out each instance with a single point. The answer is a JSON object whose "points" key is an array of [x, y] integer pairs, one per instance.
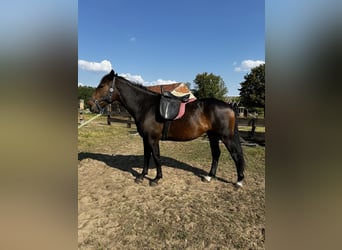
{"points": [[252, 135], [117, 113]]}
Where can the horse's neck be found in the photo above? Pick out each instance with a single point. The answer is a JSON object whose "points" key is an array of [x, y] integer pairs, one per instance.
{"points": [[134, 99]]}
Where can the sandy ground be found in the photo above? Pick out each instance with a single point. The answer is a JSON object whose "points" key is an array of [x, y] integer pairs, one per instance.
{"points": [[182, 212]]}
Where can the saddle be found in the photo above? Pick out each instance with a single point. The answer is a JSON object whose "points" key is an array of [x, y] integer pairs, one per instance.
{"points": [[170, 104]]}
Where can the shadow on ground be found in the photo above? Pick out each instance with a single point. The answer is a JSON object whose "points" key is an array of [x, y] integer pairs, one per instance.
{"points": [[127, 163]]}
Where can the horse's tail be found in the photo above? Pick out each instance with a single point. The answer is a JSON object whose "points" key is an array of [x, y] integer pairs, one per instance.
{"points": [[236, 127], [239, 157], [233, 144], [235, 107], [237, 140], [233, 122]]}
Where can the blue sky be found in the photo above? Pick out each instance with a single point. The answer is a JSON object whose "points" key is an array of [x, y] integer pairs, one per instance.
{"points": [[158, 42]]}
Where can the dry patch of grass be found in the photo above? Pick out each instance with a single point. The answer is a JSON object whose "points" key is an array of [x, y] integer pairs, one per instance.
{"points": [[182, 212]]}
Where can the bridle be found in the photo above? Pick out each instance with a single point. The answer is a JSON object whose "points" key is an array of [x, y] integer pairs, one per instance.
{"points": [[107, 98]]}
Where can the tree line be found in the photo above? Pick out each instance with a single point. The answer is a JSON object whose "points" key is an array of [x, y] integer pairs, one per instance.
{"points": [[85, 93], [252, 91]]}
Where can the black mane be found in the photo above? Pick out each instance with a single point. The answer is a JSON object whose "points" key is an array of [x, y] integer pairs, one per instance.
{"points": [[109, 78], [137, 85]]}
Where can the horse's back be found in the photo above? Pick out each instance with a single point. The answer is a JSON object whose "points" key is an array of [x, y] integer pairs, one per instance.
{"points": [[201, 116], [212, 106]]}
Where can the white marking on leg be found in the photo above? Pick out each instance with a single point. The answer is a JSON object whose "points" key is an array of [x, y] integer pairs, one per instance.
{"points": [[207, 178], [239, 184]]}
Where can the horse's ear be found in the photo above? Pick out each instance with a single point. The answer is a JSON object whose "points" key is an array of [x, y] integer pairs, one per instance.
{"points": [[112, 73]]}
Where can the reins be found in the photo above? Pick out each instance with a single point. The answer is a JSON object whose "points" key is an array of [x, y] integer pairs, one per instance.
{"points": [[80, 126]]}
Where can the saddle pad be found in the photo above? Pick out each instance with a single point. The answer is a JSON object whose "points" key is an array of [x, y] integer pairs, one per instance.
{"points": [[182, 109]]}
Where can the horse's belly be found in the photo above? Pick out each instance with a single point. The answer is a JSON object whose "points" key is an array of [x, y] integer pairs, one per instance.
{"points": [[185, 131]]}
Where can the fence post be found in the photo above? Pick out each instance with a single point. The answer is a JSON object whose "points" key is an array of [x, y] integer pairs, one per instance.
{"points": [[81, 110], [129, 122], [252, 123], [109, 112]]}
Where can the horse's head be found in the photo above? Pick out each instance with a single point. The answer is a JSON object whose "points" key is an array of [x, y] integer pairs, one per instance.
{"points": [[104, 94]]}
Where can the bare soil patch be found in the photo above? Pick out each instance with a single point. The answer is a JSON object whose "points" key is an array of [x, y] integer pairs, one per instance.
{"points": [[182, 212]]}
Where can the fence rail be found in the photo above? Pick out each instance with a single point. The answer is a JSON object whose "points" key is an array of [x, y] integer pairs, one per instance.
{"points": [[258, 122]]}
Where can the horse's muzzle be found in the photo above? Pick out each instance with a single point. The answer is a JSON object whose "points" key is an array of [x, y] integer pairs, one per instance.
{"points": [[93, 107]]}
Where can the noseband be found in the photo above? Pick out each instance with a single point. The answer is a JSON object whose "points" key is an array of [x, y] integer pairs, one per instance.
{"points": [[107, 98]]}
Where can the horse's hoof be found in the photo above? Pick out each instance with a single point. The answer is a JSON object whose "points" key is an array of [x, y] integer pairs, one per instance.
{"points": [[139, 180], [238, 184], [153, 183], [206, 178]]}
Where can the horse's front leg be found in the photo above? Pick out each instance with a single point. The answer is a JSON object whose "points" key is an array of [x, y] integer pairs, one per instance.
{"points": [[156, 157], [147, 157]]}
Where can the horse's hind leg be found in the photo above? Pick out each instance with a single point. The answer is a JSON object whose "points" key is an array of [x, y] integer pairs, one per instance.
{"points": [[234, 147], [215, 153]]}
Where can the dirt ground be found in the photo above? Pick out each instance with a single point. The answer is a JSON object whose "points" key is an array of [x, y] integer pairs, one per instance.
{"points": [[182, 212]]}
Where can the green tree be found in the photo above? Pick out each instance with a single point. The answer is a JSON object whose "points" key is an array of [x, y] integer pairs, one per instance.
{"points": [[85, 93], [209, 85], [252, 91]]}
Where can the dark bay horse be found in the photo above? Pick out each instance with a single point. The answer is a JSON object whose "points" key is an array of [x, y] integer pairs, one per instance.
{"points": [[207, 115]]}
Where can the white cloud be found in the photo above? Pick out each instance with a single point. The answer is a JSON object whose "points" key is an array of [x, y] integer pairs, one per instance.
{"points": [[133, 78], [132, 39], [139, 79], [247, 65], [162, 82], [104, 65]]}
